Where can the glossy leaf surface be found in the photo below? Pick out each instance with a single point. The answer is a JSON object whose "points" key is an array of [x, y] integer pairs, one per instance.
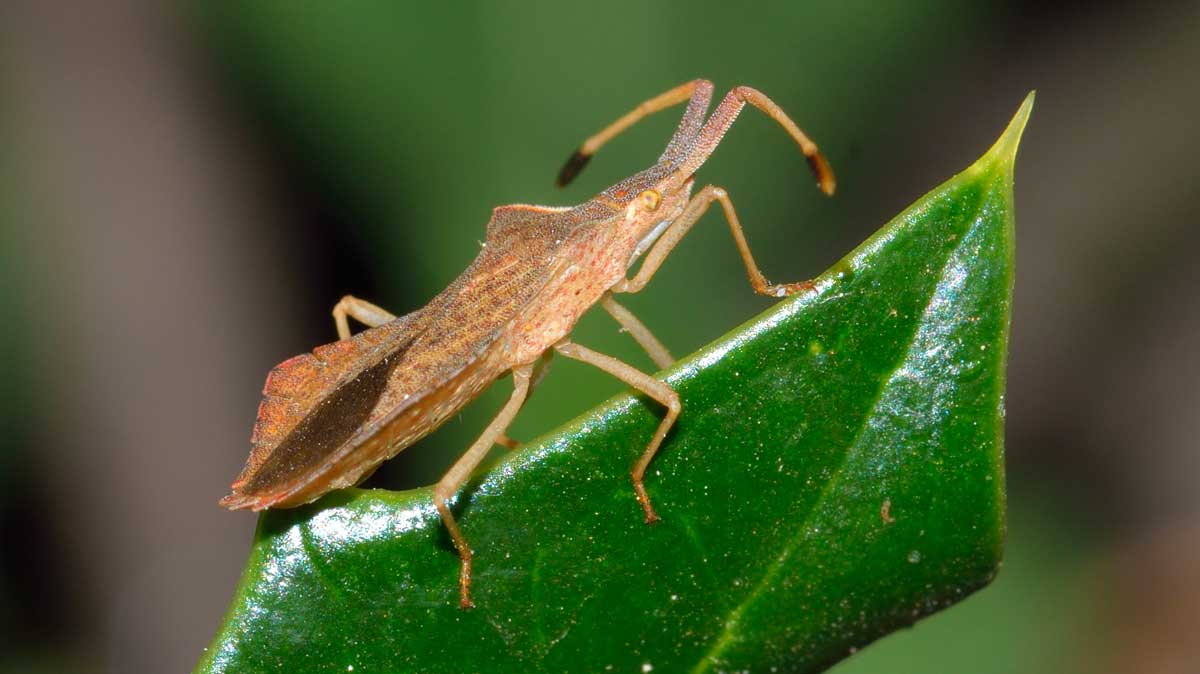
{"points": [[837, 473]]}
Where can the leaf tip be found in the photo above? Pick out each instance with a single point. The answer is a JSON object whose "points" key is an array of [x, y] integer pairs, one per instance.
{"points": [[1004, 151]]}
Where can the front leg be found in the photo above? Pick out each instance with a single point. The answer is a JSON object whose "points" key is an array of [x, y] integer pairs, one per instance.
{"points": [[692, 212]]}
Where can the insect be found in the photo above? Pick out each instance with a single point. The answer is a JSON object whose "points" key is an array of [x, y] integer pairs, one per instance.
{"points": [[329, 418]]}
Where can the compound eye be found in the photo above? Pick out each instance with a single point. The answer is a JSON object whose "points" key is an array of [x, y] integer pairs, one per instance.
{"points": [[650, 199]]}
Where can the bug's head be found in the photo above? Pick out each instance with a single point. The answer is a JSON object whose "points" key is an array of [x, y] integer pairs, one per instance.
{"points": [[650, 207]]}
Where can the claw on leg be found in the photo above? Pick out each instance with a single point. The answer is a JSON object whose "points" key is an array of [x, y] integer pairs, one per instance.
{"points": [[639, 488], [788, 289], [508, 443]]}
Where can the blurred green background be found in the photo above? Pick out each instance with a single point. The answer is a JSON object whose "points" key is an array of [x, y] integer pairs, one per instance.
{"points": [[187, 191]]}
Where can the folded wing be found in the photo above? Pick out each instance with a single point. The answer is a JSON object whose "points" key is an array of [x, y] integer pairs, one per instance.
{"points": [[312, 403]]}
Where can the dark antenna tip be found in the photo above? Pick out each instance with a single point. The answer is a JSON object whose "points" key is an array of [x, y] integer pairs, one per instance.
{"points": [[826, 182], [572, 168]]}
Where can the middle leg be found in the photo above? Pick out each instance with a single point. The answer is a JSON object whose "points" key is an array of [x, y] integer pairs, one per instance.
{"points": [[646, 384], [638, 330]]}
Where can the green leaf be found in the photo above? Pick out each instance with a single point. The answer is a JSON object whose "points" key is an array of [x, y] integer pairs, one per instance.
{"points": [[837, 473]]}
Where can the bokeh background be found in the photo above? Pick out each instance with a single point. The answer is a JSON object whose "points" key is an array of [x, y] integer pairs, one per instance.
{"points": [[186, 190]]}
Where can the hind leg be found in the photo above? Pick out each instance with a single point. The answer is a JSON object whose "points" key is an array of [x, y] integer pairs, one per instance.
{"points": [[360, 310], [540, 367], [461, 471]]}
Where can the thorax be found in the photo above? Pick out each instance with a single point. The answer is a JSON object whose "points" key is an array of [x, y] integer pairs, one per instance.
{"points": [[588, 263]]}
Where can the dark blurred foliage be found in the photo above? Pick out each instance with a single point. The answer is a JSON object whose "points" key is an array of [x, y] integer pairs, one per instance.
{"points": [[186, 193]]}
